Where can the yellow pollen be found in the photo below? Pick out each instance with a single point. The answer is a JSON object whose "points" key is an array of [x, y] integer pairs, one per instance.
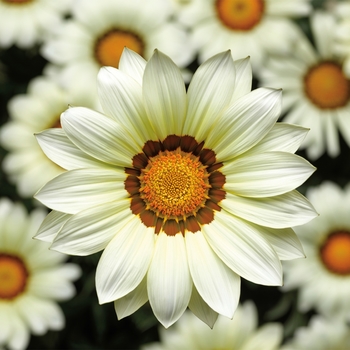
{"points": [[13, 276], [240, 14], [335, 253], [174, 184], [326, 85], [110, 46]]}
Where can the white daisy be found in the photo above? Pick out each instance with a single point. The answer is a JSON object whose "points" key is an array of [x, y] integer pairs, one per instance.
{"points": [[342, 33], [185, 192], [26, 22], [324, 277], [320, 334], [241, 332], [38, 109], [316, 90], [32, 278], [247, 27], [98, 32]]}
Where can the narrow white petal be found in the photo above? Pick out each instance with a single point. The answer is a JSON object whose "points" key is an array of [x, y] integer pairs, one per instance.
{"points": [[51, 226], [164, 95], [20, 334], [243, 249], [132, 64], [267, 174], [244, 77], [90, 230], [209, 93], [201, 309], [286, 210], [282, 137], [99, 136], [132, 301], [125, 261], [245, 123], [80, 189], [121, 98], [218, 285], [57, 146], [169, 282]]}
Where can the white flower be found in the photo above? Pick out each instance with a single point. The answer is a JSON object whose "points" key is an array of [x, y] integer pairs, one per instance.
{"points": [[39, 109], [241, 333], [27, 22], [324, 276], [185, 192], [320, 334], [32, 278], [316, 90], [247, 27], [98, 31], [342, 33]]}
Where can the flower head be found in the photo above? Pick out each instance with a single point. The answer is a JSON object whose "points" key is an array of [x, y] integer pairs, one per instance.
{"points": [[241, 332], [323, 278], [32, 278], [184, 191]]}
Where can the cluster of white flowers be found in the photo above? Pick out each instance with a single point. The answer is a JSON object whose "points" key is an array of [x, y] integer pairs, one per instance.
{"points": [[151, 148]]}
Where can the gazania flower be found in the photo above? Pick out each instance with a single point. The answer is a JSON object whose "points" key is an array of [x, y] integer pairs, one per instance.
{"points": [[98, 32], [320, 334], [39, 109], [185, 192], [241, 333], [26, 22], [247, 27], [316, 89], [32, 278], [324, 277]]}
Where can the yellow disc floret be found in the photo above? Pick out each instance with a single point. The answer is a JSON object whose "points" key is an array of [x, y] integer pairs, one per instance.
{"points": [[335, 253], [109, 47], [326, 85], [240, 14], [174, 184], [13, 276]]}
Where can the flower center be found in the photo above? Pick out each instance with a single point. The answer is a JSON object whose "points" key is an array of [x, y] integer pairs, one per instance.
{"points": [[13, 276], [175, 185], [110, 46], [16, 1], [326, 85], [335, 253], [240, 14]]}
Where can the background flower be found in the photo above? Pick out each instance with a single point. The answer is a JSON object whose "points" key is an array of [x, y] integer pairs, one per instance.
{"points": [[32, 278]]}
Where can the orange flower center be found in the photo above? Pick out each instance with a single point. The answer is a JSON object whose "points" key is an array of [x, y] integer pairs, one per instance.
{"points": [[13, 276], [326, 85], [174, 184], [110, 46], [240, 14], [335, 253]]}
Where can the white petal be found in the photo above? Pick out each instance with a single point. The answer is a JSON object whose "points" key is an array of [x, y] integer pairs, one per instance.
{"points": [[80, 189], [169, 282], [267, 174], [209, 93], [132, 64], [90, 230], [99, 136], [133, 301], [164, 95], [51, 225], [243, 249], [244, 77], [215, 282], [201, 309], [286, 210], [245, 123], [125, 261], [57, 146]]}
